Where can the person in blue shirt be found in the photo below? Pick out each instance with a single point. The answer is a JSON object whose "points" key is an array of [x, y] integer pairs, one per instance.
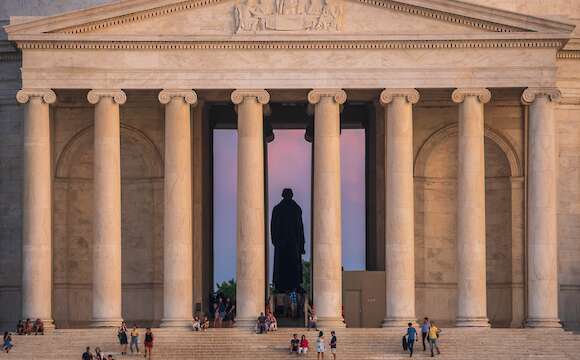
{"points": [[411, 338]]}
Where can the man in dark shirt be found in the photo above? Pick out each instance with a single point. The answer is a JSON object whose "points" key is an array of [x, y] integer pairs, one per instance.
{"points": [[333, 344], [411, 337], [294, 344], [87, 354], [262, 323]]}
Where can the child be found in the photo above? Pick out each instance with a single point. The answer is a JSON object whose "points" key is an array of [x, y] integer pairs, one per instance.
{"points": [[303, 349]]}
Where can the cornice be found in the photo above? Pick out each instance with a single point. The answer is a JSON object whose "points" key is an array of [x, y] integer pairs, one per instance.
{"points": [[293, 44]]}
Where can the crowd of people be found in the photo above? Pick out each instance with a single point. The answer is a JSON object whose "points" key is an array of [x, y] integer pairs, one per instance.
{"points": [[28, 327], [429, 332], [123, 336], [301, 346]]}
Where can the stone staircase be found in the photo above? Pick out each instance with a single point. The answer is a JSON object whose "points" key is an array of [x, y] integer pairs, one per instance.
{"points": [[455, 343]]}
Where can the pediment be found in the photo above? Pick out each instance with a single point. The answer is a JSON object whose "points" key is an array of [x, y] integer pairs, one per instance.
{"points": [[148, 19]]}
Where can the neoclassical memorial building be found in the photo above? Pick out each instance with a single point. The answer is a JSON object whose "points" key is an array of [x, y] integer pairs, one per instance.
{"points": [[472, 123]]}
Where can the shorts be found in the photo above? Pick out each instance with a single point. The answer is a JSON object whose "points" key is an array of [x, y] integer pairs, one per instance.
{"points": [[302, 350], [333, 350]]}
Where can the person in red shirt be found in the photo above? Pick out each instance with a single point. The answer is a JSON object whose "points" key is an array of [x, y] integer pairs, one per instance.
{"points": [[303, 349]]}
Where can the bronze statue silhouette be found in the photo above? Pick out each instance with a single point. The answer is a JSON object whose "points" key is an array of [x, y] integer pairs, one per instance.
{"points": [[287, 232]]}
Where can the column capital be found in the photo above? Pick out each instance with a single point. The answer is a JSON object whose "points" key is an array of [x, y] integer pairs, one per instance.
{"points": [[47, 95], [459, 95], [94, 96], [261, 95], [530, 94], [410, 95], [338, 95], [189, 96]]}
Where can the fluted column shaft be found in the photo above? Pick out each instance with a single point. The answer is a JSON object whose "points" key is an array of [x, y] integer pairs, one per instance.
{"points": [[399, 227], [471, 271], [251, 259], [542, 205], [107, 208], [327, 242], [177, 229], [37, 206]]}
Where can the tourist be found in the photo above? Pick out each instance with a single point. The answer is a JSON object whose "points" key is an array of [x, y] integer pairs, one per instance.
{"points": [[219, 313], [7, 346], [312, 320], [433, 336], [135, 338], [230, 314], [411, 338], [293, 303], [28, 327], [20, 328], [425, 330], [303, 348], [262, 323], [38, 327], [87, 354], [122, 336], [98, 355], [196, 324], [320, 346], [294, 344], [333, 344], [272, 322], [205, 324], [148, 342]]}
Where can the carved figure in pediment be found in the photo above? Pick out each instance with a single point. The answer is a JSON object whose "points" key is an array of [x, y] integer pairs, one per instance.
{"points": [[330, 17], [250, 16]]}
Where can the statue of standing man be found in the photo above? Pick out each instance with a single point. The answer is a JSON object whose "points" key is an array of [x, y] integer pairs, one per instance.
{"points": [[287, 232]]}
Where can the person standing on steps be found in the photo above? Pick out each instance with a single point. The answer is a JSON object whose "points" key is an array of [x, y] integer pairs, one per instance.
{"points": [[333, 344], [411, 338], [425, 330], [433, 336], [148, 343], [320, 346], [87, 354], [122, 336], [135, 338]]}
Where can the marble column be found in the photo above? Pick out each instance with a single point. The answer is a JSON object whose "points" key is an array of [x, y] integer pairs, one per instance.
{"points": [[542, 204], [327, 239], [107, 208], [37, 206], [471, 272], [251, 237], [177, 228], [399, 226]]}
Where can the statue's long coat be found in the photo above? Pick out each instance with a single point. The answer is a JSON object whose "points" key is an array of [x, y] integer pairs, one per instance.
{"points": [[287, 233]]}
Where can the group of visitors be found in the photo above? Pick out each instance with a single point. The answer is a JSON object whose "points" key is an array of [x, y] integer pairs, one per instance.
{"points": [[199, 325], [27, 327], [97, 355], [300, 346], [267, 322], [428, 331], [224, 312], [123, 336]]}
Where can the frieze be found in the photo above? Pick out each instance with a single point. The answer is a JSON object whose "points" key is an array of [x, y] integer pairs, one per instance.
{"points": [[287, 15]]}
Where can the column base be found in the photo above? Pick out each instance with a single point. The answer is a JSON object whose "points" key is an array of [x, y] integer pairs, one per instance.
{"points": [[176, 323], [397, 322], [472, 322], [330, 323], [106, 322], [543, 323], [246, 323]]}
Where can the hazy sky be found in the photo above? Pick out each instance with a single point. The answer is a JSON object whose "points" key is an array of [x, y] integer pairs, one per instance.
{"points": [[289, 157]]}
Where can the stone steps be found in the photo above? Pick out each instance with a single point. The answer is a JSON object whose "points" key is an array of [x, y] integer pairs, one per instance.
{"points": [[455, 343]]}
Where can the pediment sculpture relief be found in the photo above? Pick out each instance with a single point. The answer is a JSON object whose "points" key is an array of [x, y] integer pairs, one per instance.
{"points": [[287, 15]]}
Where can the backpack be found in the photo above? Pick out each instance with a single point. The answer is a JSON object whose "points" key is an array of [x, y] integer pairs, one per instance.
{"points": [[404, 343]]}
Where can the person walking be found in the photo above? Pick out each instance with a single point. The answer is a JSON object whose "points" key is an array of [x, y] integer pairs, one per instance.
{"points": [[411, 338], [320, 346], [433, 336], [7, 346], [122, 336], [148, 343], [135, 339], [333, 344], [425, 330]]}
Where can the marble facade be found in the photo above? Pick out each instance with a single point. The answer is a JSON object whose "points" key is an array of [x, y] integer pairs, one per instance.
{"points": [[104, 182]]}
